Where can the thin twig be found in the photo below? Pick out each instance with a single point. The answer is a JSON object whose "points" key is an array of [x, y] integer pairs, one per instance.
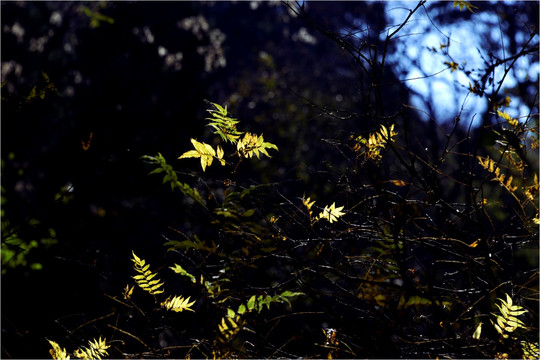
{"points": [[129, 334]]}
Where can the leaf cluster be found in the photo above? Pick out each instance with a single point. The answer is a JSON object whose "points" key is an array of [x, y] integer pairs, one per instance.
{"points": [[225, 127], [330, 213], [96, 349], [147, 281], [223, 124], [506, 320], [372, 145], [171, 177]]}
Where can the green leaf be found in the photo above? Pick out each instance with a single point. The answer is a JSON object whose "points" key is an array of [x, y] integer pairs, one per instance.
{"points": [[32, 94], [251, 303], [248, 213], [224, 125], [45, 76], [180, 270], [225, 213], [241, 309], [156, 171], [288, 293], [171, 177]]}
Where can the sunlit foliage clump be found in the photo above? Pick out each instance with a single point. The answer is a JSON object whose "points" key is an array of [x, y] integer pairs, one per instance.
{"points": [[225, 126]]}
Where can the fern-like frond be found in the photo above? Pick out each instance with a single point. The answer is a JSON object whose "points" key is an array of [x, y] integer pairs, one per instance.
{"points": [[513, 122], [506, 320], [492, 167], [374, 143], [259, 302], [180, 270], [145, 279], [532, 191], [95, 350], [230, 326], [171, 177], [252, 144], [224, 125], [57, 352], [178, 304], [530, 350], [205, 152]]}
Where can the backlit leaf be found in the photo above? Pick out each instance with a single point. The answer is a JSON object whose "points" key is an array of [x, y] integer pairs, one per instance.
{"points": [[180, 270], [478, 331], [331, 213], [252, 144], [224, 125], [203, 151], [57, 352], [251, 303], [466, 4], [145, 278], [178, 304], [398, 182], [241, 309], [96, 350]]}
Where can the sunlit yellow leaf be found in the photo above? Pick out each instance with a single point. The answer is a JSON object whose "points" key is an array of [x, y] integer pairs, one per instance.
{"points": [[478, 331], [508, 303], [205, 152], [331, 213], [57, 352], [475, 89], [223, 326], [466, 4], [96, 350], [453, 66], [178, 304], [498, 328], [128, 291], [252, 144], [530, 350], [513, 122], [475, 243], [398, 182], [308, 204], [219, 154]]}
